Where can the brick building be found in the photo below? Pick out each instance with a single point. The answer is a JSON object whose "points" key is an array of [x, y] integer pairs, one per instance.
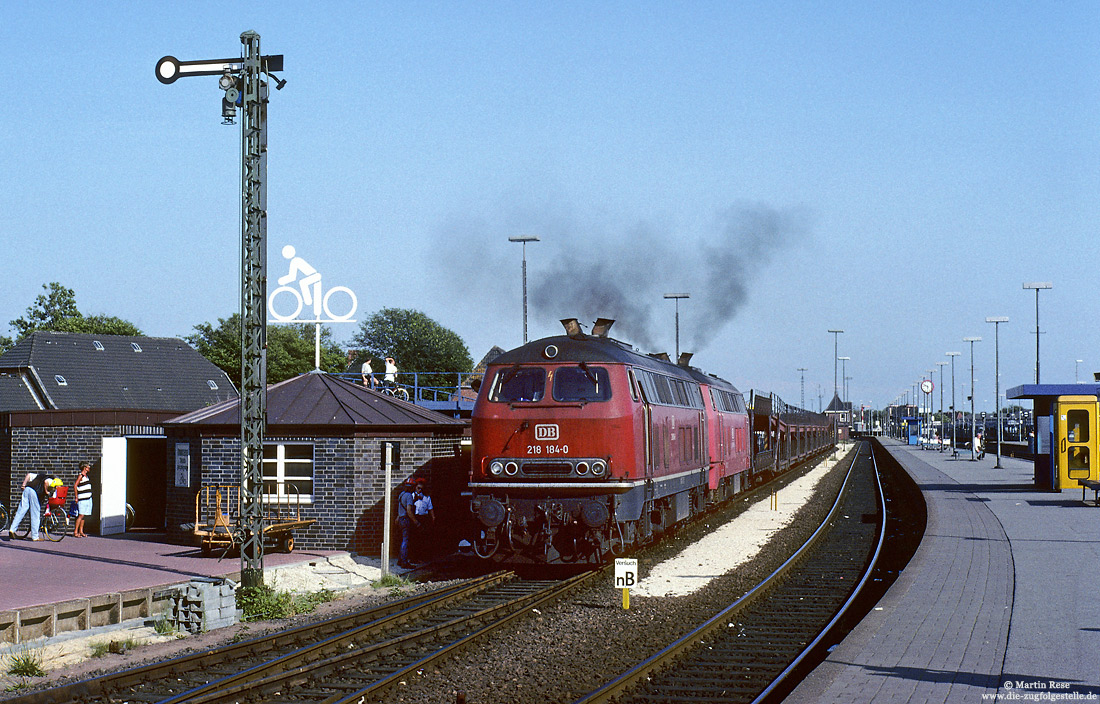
{"points": [[72, 397], [323, 450]]}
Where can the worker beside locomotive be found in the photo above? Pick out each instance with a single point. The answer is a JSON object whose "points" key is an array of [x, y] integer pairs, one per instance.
{"points": [[583, 447]]}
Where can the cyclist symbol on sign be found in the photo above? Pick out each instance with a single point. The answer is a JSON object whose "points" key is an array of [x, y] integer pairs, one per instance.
{"points": [[308, 293]]}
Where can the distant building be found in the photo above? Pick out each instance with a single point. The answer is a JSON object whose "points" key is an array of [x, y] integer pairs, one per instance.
{"points": [[842, 412]]}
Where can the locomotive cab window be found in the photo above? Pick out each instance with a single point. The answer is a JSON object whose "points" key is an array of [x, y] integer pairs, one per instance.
{"points": [[519, 384], [581, 383]]}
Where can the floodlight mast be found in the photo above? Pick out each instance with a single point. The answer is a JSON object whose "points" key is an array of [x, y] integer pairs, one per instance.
{"points": [[242, 81]]}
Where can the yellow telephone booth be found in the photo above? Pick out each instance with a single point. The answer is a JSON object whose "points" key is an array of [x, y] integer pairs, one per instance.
{"points": [[1075, 442]]}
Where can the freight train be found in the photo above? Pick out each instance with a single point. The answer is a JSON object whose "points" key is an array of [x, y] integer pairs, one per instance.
{"points": [[584, 447]]}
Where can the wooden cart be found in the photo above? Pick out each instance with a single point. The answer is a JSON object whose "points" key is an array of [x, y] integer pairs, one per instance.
{"points": [[218, 519]]}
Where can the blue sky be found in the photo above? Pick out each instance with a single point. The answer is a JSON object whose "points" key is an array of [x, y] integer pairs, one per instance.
{"points": [[896, 171]]}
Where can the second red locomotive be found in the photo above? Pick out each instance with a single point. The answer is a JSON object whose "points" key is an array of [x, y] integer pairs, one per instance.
{"points": [[583, 447]]}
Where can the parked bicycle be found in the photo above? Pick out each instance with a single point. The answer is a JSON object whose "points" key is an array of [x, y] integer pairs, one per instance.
{"points": [[55, 519], [4, 518]]}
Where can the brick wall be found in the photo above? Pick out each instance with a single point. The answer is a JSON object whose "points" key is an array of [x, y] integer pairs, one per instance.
{"points": [[56, 450], [348, 484]]}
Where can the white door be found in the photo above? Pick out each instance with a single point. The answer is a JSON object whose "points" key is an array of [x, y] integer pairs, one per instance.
{"points": [[112, 484]]}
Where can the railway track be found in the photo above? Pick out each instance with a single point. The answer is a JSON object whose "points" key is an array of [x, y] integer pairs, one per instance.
{"points": [[356, 657], [750, 650]]}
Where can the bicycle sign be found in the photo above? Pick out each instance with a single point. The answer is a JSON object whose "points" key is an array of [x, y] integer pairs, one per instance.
{"points": [[308, 292]]}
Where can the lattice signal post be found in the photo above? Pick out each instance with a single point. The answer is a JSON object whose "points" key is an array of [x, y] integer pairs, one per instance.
{"points": [[242, 81]]}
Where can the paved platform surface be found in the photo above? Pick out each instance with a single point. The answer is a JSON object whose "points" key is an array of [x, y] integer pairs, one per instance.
{"points": [[41, 572], [1001, 602]]}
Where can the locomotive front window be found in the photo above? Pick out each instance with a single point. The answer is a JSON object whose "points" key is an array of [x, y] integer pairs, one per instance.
{"points": [[519, 384], [582, 383]]}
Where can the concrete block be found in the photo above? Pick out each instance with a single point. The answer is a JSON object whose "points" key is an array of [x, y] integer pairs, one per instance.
{"points": [[9, 626], [36, 622], [72, 615], [104, 610], [136, 603]]}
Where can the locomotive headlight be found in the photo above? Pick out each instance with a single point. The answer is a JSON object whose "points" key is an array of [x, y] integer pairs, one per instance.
{"points": [[582, 468], [599, 468], [496, 468], [511, 469]]}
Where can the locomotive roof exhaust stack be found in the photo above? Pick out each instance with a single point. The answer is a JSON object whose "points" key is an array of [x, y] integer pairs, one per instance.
{"points": [[663, 356], [685, 359], [572, 328], [601, 327]]}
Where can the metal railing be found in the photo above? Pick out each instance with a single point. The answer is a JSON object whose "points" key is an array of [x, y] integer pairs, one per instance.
{"points": [[445, 392]]}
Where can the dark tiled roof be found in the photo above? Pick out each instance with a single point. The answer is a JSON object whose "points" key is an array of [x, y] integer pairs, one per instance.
{"points": [[14, 392], [838, 406], [70, 371], [318, 399]]}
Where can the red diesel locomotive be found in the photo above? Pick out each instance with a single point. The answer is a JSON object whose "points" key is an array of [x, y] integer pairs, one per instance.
{"points": [[583, 447]]}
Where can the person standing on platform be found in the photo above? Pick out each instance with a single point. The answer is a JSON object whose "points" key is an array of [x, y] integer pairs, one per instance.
{"points": [[368, 374], [391, 372], [425, 517], [34, 493], [406, 523], [82, 489]]}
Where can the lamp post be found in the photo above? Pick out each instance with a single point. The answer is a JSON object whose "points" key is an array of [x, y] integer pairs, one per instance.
{"points": [[1076, 362], [941, 365], [1038, 286], [952, 355], [676, 297], [928, 396], [997, 373], [835, 334], [973, 423], [524, 240], [836, 337], [803, 371]]}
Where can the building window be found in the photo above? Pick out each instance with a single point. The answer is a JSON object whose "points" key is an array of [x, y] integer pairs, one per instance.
{"points": [[98, 345], [136, 346], [288, 472], [212, 384], [60, 380]]}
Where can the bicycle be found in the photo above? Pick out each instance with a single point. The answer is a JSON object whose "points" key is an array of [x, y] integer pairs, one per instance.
{"points": [[3, 517], [55, 519], [392, 389]]}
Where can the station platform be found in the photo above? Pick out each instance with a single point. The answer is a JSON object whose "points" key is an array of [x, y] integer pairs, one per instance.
{"points": [[119, 577], [1001, 601]]}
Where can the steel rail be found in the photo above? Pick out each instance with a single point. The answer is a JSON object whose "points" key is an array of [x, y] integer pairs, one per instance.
{"points": [[627, 680], [867, 572], [272, 679], [379, 687], [212, 690], [105, 688]]}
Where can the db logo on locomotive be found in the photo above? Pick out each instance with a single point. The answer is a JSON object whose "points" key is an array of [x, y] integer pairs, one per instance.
{"points": [[547, 431]]}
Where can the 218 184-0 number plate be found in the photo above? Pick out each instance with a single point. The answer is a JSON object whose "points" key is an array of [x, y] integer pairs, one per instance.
{"points": [[547, 449]]}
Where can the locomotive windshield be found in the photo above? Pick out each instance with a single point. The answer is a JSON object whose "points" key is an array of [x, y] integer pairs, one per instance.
{"points": [[582, 383], [517, 383]]}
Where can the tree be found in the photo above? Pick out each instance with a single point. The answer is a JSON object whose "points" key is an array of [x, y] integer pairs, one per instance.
{"points": [[418, 343], [48, 310], [290, 349], [56, 310]]}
